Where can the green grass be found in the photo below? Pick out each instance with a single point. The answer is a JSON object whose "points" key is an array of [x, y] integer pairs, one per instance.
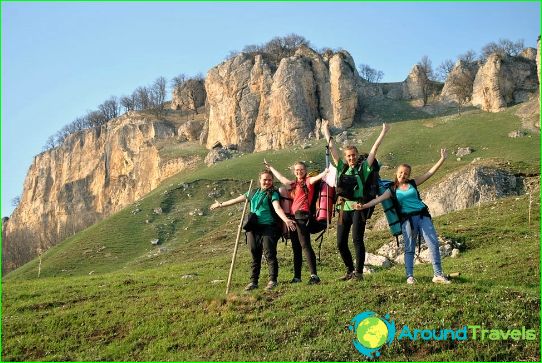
{"points": [[157, 314], [106, 293]]}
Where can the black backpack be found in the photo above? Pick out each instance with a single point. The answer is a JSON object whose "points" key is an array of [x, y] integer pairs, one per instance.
{"points": [[348, 185]]}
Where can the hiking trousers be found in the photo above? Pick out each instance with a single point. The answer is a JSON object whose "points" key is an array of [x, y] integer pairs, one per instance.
{"points": [[301, 241], [355, 221], [263, 241]]}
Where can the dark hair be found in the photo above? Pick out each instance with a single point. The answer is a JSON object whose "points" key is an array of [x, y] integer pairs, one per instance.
{"points": [[401, 165], [266, 171]]}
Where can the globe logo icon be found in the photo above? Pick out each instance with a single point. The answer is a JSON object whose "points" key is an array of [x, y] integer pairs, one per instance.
{"points": [[371, 333]]}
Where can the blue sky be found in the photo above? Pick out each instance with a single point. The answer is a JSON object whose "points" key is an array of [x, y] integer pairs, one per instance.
{"points": [[62, 59]]}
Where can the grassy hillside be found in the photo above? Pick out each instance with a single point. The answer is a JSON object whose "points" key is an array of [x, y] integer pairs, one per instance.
{"points": [[108, 294]]}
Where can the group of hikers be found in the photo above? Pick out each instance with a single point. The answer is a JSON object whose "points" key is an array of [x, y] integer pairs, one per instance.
{"points": [[352, 215]]}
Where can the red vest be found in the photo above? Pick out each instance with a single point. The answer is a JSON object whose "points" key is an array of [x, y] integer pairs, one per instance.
{"points": [[302, 193]]}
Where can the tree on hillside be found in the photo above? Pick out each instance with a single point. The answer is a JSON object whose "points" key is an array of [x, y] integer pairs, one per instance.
{"points": [[426, 77], [178, 81], [110, 108], [278, 47], [444, 69], [158, 96], [468, 57], [50, 143], [15, 201], [503, 47], [142, 98], [369, 74], [128, 102], [461, 87]]}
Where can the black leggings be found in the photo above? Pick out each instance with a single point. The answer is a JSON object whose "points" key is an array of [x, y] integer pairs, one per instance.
{"points": [[356, 220], [263, 241], [301, 240]]}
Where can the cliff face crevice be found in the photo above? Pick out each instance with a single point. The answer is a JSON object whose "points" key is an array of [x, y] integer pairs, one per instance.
{"points": [[93, 174]]}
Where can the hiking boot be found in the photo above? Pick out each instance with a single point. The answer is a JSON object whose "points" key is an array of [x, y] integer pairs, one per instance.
{"points": [[441, 280], [271, 285], [251, 286], [410, 280], [357, 276], [347, 276], [295, 280], [314, 280]]}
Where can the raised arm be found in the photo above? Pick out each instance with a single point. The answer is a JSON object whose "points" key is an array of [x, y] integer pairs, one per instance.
{"points": [[233, 201], [314, 179], [374, 149], [372, 203], [443, 156], [332, 147], [277, 175], [280, 213]]}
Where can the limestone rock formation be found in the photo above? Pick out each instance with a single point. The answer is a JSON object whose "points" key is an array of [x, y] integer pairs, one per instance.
{"points": [[190, 96], [414, 83], [190, 131], [538, 63], [529, 53], [259, 104], [502, 81], [459, 82], [93, 174]]}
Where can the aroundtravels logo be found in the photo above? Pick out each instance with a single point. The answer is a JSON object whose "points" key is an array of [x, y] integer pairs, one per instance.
{"points": [[371, 333]]}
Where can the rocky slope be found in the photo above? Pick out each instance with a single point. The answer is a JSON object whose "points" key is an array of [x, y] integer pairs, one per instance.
{"points": [[93, 174]]}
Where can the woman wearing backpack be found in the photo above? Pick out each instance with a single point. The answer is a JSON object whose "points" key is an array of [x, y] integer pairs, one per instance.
{"points": [[302, 192], [349, 217], [415, 217], [263, 239]]}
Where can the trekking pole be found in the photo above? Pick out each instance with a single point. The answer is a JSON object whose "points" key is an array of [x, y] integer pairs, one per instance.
{"points": [[237, 240], [327, 191], [530, 204]]}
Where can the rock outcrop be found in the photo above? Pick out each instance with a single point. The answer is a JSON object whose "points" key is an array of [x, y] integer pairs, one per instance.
{"points": [[259, 104], [503, 81], [459, 81], [93, 174], [190, 96]]}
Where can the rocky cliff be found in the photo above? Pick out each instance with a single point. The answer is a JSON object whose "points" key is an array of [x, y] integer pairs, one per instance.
{"points": [[91, 175], [502, 81], [259, 104]]}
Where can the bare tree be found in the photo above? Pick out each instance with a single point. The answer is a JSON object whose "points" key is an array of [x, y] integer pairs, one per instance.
{"points": [[142, 98], [461, 84], [369, 74], [469, 56], [158, 95], [503, 47], [95, 118], [128, 102], [178, 81], [444, 69], [426, 77], [15, 201], [110, 108], [50, 143]]}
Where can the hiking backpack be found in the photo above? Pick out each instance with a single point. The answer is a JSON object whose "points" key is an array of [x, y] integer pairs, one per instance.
{"points": [[349, 186]]}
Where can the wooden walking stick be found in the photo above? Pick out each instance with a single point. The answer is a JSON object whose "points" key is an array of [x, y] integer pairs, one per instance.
{"points": [[237, 239]]}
